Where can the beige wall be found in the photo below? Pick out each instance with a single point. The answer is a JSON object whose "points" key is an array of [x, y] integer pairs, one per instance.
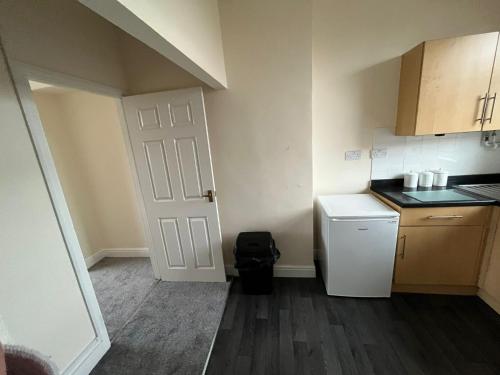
{"points": [[260, 128], [41, 304], [87, 143], [193, 27], [356, 59], [356, 49], [67, 37], [186, 32], [160, 74], [63, 36]]}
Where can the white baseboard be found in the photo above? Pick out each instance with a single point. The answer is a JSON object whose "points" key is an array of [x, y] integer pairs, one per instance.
{"points": [[489, 300], [88, 358], [140, 252], [282, 270], [93, 259]]}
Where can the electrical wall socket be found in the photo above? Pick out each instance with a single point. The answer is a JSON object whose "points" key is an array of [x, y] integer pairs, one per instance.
{"points": [[379, 153], [353, 155]]}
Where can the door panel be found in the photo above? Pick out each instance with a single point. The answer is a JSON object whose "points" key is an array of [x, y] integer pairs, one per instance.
{"points": [[158, 170], [456, 73], [189, 167], [172, 242], [446, 255], [198, 228], [491, 114], [149, 118], [169, 140]]}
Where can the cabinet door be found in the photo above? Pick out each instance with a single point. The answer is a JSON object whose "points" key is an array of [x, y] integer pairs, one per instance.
{"points": [[455, 76], [492, 114], [492, 277], [446, 255]]}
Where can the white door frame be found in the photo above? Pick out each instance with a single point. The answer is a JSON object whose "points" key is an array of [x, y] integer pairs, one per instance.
{"points": [[22, 73]]}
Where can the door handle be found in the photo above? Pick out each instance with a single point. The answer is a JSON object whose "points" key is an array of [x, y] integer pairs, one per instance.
{"points": [[494, 98], [402, 254], [484, 99], [210, 195]]}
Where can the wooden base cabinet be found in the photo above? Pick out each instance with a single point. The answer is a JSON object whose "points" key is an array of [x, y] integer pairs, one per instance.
{"points": [[490, 283], [440, 249], [438, 255]]}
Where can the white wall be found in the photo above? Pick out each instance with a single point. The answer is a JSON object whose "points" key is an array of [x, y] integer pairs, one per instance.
{"points": [[356, 49], [85, 137], [459, 154], [186, 32], [260, 128], [41, 304]]}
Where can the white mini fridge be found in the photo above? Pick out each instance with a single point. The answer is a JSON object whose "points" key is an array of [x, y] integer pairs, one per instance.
{"points": [[358, 245]]}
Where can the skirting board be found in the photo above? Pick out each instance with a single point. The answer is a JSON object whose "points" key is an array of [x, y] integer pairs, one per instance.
{"points": [[140, 252], [489, 300], [88, 358], [282, 271]]}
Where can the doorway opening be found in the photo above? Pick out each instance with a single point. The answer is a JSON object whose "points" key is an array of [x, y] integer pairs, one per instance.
{"points": [[177, 321], [88, 147]]}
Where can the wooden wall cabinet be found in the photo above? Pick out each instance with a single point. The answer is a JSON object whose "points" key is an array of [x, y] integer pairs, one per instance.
{"points": [[449, 86], [492, 117]]}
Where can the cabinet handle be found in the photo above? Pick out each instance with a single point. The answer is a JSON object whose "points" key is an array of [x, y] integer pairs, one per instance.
{"points": [[402, 254], [494, 98], [444, 217], [484, 99]]}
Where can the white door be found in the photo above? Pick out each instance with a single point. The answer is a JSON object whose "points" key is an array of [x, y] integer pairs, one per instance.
{"points": [[168, 133]]}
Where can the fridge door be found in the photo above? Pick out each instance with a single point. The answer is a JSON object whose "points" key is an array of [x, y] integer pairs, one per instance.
{"points": [[361, 260]]}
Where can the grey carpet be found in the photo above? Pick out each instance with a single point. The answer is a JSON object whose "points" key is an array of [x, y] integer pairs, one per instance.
{"points": [[171, 332], [121, 284]]}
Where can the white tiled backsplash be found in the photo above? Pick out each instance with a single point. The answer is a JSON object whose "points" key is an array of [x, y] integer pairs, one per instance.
{"points": [[459, 154]]}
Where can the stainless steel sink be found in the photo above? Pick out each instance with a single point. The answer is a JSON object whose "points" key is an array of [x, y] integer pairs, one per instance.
{"points": [[486, 190]]}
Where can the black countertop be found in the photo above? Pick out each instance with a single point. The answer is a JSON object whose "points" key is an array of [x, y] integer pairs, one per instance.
{"points": [[393, 189]]}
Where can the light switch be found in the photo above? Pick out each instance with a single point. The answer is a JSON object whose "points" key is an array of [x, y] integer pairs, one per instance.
{"points": [[379, 153], [353, 155]]}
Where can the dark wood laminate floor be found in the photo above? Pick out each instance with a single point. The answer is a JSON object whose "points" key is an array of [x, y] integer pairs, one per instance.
{"points": [[300, 330]]}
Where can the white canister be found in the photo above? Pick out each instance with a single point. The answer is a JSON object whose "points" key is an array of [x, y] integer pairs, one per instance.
{"points": [[411, 180], [425, 179], [440, 178]]}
